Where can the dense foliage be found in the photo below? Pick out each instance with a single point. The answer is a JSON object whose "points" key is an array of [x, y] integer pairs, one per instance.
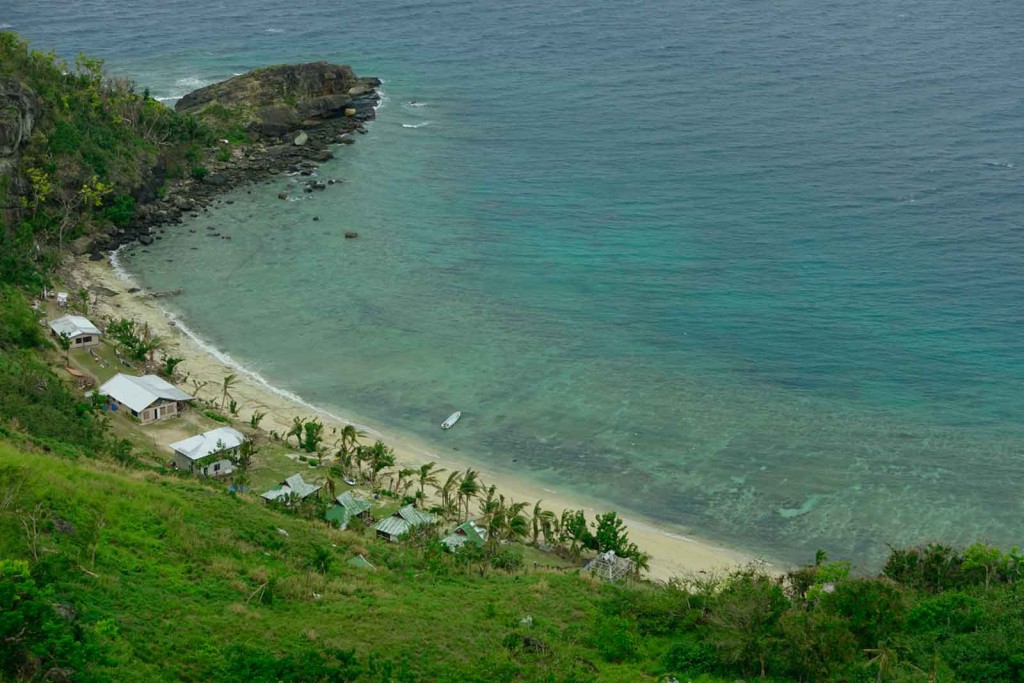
{"points": [[95, 146]]}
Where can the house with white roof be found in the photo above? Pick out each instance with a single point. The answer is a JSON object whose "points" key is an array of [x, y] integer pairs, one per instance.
{"points": [[78, 329], [148, 397], [294, 485], [210, 454]]}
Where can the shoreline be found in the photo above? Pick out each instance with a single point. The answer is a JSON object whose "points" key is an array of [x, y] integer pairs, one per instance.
{"points": [[673, 551]]}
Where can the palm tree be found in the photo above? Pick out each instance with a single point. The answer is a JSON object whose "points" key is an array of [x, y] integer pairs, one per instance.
{"points": [[516, 524], [350, 438], [229, 381], [403, 473], [450, 487], [296, 430], [489, 505], [469, 488], [381, 457], [428, 476], [331, 486], [541, 520]]}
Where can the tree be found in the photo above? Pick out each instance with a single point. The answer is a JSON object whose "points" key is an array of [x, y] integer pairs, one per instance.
{"points": [[573, 530], [296, 430], [609, 534], [36, 642], [402, 476], [469, 487], [541, 521], [312, 435], [350, 438], [170, 365], [256, 418], [64, 342], [449, 491], [380, 458], [225, 389], [744, 620], [427, 476], [986, 560]]}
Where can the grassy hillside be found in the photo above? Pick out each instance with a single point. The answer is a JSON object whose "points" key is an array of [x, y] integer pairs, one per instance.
{"points": [[175, 580]]}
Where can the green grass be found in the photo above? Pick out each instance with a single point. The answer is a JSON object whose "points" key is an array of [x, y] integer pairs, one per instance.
{"points": [[179, 560]]}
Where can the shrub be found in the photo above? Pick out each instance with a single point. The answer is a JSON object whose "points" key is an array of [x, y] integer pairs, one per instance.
{"points": [[614, 640]]}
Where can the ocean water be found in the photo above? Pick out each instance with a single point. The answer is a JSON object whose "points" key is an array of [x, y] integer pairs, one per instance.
{"points": [[755, 269]]}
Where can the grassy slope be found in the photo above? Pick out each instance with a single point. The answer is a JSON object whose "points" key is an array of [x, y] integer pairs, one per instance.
{"points": [[178, 561]]}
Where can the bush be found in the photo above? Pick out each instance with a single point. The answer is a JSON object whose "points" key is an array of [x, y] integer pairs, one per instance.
{"points": [[614, 640], [36, 642], [217, 417], [198, 172], [19, 328]]}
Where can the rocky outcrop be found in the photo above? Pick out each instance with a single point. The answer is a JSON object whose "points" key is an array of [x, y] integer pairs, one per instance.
{"points": [[277, 100], [19, 111]]}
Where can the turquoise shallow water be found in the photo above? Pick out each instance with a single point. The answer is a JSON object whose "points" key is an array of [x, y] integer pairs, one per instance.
{"points": [[755, 269]]}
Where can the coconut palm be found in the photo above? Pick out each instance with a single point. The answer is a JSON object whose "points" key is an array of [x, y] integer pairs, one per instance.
{"points": [[469, 488], [350, 438], [380, 457], [490, 505], [401, 476], [449, 490], [296, 430], [541, 521], [427, 476], [225, 390]]}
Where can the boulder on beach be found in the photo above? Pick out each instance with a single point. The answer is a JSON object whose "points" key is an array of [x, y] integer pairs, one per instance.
{"points": [[300, 139]]}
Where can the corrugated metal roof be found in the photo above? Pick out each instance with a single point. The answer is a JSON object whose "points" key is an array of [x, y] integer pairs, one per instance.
{"points": [[361, 562], [468, 532], [208, 443], [338, 516], [354, 505], [404, 520], [300, 486], [393, 526], [293, 484], [138, 393], [73, 325], [416, 517]]}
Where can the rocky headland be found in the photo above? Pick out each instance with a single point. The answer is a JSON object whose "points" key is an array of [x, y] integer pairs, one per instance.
{"points": [[287, 118]]}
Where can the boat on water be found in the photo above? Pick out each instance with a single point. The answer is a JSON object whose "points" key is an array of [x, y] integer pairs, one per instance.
{"points": [[452, 419]]}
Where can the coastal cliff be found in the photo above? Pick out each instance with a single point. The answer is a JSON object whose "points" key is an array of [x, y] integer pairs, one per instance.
{"points": [[103, 166]]}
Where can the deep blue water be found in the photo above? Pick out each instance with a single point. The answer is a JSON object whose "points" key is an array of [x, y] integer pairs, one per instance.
{"points": [[752, 268]]}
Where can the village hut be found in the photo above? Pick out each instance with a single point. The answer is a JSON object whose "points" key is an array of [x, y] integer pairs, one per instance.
{"points": [[467, 533], [210, 453], [79, 329], [403, 522], [149, 398]]}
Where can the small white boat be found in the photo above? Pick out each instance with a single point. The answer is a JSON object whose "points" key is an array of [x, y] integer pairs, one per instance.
{"points": [[452, 419]]}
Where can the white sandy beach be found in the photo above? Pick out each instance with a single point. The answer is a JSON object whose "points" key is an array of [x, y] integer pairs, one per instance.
{"points": [[672, 551]]}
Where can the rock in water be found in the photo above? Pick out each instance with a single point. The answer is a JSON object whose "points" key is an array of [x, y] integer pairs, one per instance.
{"points": [[350, 235], [279, 99]]}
